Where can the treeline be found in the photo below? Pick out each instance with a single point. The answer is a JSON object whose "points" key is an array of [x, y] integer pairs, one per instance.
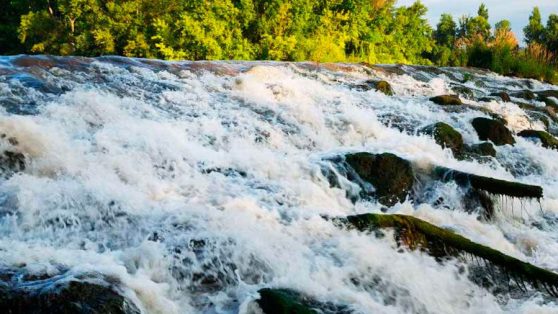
{"points": [[472, 42], [374, 31]]}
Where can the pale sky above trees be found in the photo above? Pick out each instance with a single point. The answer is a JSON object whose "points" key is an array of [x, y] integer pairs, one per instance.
{"points": [[516, 11]]}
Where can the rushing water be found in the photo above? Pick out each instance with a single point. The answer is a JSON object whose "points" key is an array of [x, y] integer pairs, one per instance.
{"points": [[195, 184]]}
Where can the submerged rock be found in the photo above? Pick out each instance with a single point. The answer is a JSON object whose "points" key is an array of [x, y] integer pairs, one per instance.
{"points": [[482, 149], [524, 94], [493, 130], [21, 293], [391, 176], [445, 136], [503, 95], [546, 138], [446, 100], [11, 162]]}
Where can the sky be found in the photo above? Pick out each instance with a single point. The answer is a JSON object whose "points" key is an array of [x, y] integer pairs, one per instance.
{"points": [[516, 11]]}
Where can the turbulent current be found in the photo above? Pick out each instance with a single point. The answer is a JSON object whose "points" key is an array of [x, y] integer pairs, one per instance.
{"points": [[190, 186]]}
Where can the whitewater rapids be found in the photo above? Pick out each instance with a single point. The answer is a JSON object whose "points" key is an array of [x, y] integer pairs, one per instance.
{"points": [[195, 184]]}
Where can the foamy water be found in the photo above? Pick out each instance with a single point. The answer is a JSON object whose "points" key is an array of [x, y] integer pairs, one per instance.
{"points": [[197, 184]]}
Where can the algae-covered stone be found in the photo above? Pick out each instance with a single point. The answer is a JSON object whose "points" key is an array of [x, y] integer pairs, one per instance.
{"points": [[287, 301], [381, 86], [464, 91], [446, 100], [384, 87], [445, 136], [391, 176], [493, 130], [547, 140], [438, 242], [283, 301]]}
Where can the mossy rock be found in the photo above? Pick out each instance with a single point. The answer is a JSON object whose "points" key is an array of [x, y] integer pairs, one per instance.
{"points": [[384, 87], [419, 234], [445, 136], [381, 86], [503, 95], [41, 294], [493, 130], [549, 97], [283, 301], [447, 100], [464, 91], [524, 94], [490, 185], [547, 140], [391, 176], [482, 149], [287, 301]]}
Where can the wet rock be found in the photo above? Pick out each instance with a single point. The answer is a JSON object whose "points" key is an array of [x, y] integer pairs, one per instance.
{"points": [[381, 86], [391, 176], [547, 140], [446, 100], [482, 149], [24, 293], [503, 95], [493, 130], [11, 162], [549, 97], [287, 301], [445, 136], [524, 94]]}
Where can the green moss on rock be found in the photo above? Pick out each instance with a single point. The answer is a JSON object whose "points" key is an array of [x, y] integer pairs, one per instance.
{"points": [[445, 136], [493, 130], [546, 138], [490, 185], [384, 87], [418, 234], [391, 176], [283, 301], [447, 100]]}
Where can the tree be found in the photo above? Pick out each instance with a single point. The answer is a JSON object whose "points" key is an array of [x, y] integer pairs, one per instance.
{"points": [[446, 31], [534, 31], [551, 34]]}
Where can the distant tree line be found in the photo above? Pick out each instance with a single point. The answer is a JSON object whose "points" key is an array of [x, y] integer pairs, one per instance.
{"points": [[374, 31]]}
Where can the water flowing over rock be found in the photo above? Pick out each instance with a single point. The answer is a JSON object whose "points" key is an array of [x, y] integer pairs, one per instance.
{"points": [[145, 186]]}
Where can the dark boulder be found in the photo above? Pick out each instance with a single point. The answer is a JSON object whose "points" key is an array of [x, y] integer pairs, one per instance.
{"points": [[446, 100], [391, 176], [546, 139], [445, 136], [22, 293], [493, 130]]}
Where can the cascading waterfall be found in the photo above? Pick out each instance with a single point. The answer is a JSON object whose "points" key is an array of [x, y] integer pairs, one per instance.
{"points": [[190, 186]]}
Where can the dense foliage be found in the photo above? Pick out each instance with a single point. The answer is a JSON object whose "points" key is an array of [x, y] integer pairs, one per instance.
{"points": [[375, 31]]}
